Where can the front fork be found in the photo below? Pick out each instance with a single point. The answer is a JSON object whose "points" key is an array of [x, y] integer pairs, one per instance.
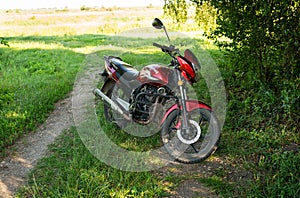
{"points": [[184, 112]]}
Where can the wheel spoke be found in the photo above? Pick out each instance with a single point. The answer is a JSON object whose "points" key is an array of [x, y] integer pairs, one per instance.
{"points": [[201, 120], [195, 149], [173, 123]]}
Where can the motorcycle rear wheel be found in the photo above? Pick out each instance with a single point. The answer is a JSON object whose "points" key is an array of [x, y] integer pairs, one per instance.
{"points": [[112, 115], [108, 111], [203, 146]]}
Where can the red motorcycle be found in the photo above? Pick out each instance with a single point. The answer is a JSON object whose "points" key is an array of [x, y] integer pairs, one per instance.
{"points": [[158, 94]]}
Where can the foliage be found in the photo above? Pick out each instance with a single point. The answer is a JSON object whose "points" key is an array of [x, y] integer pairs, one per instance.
{"points": [[259, 128], [205, 15], [262, 80], [266, 32], [177, 10]]}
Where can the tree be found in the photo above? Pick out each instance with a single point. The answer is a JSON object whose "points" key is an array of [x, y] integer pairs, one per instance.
{"points": [[176, 9], [263, 34]]}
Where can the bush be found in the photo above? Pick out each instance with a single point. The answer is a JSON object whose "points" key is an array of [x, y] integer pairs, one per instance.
{"points": [[264, 35], [263, 85]]}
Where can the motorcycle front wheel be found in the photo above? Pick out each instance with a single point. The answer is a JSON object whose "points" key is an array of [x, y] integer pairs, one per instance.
{"points": [[199, 143]]}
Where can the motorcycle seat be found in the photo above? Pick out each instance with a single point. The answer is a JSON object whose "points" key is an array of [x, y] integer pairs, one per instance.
{"points": [[124, 69]]}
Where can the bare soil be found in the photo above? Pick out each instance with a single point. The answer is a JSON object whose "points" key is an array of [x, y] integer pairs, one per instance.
{"points": [[189, 176]]}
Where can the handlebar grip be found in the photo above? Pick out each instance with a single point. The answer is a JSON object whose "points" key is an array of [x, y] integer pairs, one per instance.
{"points": [[157, 45], [162, 47]]}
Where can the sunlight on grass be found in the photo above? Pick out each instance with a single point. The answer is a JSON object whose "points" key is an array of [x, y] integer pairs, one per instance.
{"points": [[50, 46], [35, 45], [146, 50], [14, 114]]}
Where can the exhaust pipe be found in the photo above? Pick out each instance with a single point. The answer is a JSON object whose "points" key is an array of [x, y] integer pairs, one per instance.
{"points": [[98, 93]]}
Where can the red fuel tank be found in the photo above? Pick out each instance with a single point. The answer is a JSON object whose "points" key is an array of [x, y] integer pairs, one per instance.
{"points": [[155, 74]]}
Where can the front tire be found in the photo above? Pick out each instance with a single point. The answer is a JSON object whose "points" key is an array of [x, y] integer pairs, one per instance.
{"points": [[202, 147]]}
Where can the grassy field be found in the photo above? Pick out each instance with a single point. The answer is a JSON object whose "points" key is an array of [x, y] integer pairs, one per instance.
{"points": [[46, 51], [48, 48]]}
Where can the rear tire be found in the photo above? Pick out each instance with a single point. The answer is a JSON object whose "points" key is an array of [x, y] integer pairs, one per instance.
{"points": [[110, 114], [205, 145], [108, 111]]}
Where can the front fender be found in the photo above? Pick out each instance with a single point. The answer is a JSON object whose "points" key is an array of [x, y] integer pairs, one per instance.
{"points": [[190, 106]]}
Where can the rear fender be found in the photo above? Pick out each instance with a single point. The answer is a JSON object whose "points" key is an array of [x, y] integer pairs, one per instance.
{"points": [[108, 84], [190, 106]]}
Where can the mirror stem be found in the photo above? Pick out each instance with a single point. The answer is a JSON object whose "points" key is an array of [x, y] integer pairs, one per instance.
{"points": [[167, 35]]}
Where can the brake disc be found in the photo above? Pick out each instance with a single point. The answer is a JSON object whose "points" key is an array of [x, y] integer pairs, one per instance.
{"points": [[195, 138]]}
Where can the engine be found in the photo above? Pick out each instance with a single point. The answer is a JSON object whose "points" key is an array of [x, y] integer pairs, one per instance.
{"points": [[144, 101]]}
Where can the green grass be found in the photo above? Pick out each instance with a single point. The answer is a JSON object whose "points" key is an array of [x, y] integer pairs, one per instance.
{"points": [[32, 80], [45, 67], [40, 67], [71, 171]]}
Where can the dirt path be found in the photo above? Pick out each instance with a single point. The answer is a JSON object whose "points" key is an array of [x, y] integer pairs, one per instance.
{"points": [[29, 149], [189, 185]]}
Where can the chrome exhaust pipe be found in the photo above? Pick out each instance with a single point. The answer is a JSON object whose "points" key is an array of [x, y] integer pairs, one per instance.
{"points": [[98, 93]]}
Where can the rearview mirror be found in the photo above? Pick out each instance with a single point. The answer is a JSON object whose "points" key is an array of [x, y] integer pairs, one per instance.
{"points": [[157, 24]]}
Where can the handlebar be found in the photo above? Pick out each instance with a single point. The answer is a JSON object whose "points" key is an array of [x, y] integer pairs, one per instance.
{"points": [[166, 49], [157, 45]]}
